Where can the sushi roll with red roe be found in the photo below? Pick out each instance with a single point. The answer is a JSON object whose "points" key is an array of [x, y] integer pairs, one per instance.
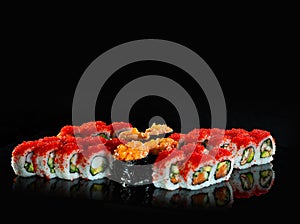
{"points": [[166, 169], [265, 146], [197, 135], [65, 161], [21, 161], [245, 151], [95, 162], [223, 167], [117, 127], [43, 158], [197, 169]]}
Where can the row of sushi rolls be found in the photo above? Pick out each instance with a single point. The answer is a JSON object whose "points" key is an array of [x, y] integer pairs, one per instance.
{"points": [[234, 161]]}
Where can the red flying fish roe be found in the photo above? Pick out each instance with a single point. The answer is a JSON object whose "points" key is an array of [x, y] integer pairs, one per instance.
{"points": [[241, 140], [197, 135], [115, 126], [177, 136], [216, 131], [219, 153], [65, 151], [192, 147], [217, 140], [167, 153], [69, 130], [43, 148], [90, 151], [22, 147], [193, 163], [258, 135], [90, 141], [235, 131], [112, 144], [90, 128]]}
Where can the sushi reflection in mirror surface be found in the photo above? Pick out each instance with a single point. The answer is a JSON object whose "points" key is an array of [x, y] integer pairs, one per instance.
{"points": [[245, 183]]}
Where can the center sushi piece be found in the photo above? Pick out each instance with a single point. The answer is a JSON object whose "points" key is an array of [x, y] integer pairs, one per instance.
{"points": [[94, 162]]}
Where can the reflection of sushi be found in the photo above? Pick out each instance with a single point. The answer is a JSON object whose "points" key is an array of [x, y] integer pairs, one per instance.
{"points": [[253, 181], [222, 195], [166, 198], [24, 184], [94, 189], [201, 198]]}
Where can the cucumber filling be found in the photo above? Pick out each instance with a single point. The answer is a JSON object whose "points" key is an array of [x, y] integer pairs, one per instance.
{"points": [[247, 181], [248, 155], [201, 175], [266, 148], [98, 165], [101, 134], [28, 163], [223, 169], [73, 166], [50, 162], [265, 178], [174, 174]]}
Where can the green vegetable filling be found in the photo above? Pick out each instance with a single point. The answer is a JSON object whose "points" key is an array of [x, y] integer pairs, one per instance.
{"points": [[174, 173], [265, 179], [266, 148], [247, 180], [223, 169], [98, 165], [73, 167], [50, 164], [248, 155], [29, 167], [201, 175]]}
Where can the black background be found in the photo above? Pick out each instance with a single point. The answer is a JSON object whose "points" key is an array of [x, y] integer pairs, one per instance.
{"points": [[47, 52]]}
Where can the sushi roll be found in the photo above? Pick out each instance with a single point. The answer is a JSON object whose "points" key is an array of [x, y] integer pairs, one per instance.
{"points": [[95, 162], [196, 171], [117, 127], [21, 161], [265, 146], [43, 158], [21, 157], [166, 172], [223, 167], [245, 151], [65, 161], [197, 135]]}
